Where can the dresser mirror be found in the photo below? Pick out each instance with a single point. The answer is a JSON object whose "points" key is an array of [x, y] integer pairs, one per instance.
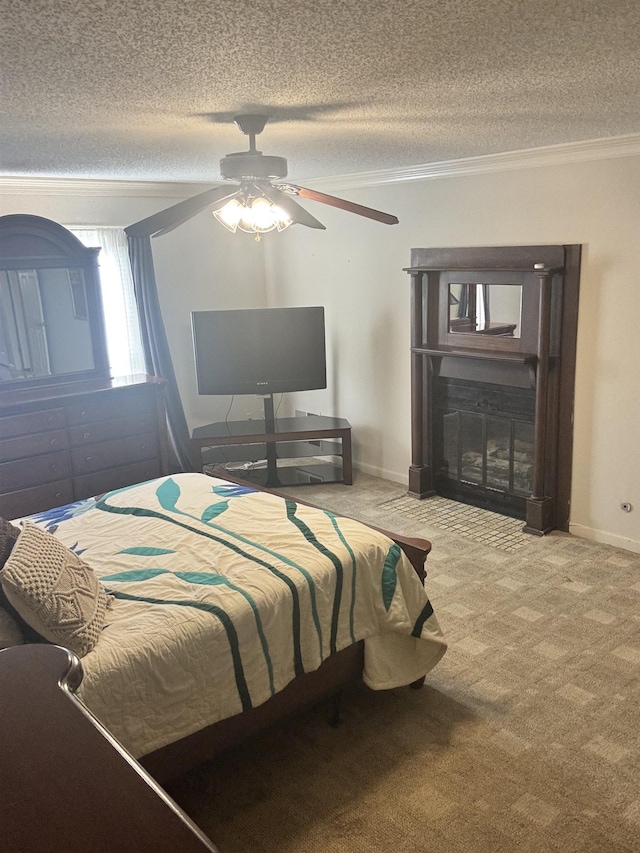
{"points": [[51, 320]]}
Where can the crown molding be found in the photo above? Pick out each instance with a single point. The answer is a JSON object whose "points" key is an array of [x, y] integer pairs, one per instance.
{"points": [[34, 185], [551, 155]]}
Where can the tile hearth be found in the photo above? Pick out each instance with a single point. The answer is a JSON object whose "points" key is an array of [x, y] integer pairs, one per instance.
{"points": [[481, 525]]}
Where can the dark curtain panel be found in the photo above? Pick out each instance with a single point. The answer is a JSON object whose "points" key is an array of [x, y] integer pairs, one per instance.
{"points": [[156, 348]]}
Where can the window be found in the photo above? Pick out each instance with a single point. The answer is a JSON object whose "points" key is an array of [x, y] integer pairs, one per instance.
{"points": [[124, 343]]}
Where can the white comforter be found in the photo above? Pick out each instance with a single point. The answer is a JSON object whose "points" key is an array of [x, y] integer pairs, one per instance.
{"points": [[222, 595]]}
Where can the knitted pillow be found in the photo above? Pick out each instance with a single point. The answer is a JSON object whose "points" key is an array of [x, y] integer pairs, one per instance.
{"points": [[54, 590], [10, 633]]}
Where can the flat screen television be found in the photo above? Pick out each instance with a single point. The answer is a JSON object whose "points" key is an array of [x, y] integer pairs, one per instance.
{"points": [[259, 350]]}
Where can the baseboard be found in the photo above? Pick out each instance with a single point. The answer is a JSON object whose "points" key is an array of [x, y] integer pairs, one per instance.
{"points": [[382, 473], [604, 537]]}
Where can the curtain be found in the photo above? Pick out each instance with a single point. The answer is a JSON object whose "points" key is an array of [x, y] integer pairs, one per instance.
{"points": [[156, 348], [124, 342]]}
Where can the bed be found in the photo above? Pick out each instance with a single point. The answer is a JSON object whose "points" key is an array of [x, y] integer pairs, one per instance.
{"points": [[230, 606]]}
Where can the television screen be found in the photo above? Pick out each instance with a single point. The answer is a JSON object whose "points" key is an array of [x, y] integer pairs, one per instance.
{"points": [[259, 350]]}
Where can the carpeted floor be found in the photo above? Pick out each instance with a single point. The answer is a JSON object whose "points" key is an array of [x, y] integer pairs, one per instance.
{"points": [[525, 738]]}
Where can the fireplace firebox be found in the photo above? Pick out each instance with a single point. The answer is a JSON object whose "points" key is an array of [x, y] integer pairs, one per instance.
{"points": [[484, 444], [493, 343]]}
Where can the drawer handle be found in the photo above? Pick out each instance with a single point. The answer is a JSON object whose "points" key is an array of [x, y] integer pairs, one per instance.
{"points": [[58, 495], [142, 446], [83, 414], [53, 442], [88, 458], [53, 466], [51, 420], [86, 435]]}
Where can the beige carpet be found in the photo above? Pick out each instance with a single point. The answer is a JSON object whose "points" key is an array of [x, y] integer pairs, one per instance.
{"points": [[525, 738]]}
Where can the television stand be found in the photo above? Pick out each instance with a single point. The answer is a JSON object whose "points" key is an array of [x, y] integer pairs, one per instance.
{"points": [[284, 452]]}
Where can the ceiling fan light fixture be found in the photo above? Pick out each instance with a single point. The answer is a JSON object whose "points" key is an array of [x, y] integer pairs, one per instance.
{"points": [[257, 203], [252, 215], [230, 215]]}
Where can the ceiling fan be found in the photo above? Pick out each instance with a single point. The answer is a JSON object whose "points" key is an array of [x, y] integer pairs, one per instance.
{"points": [[258, 202]]}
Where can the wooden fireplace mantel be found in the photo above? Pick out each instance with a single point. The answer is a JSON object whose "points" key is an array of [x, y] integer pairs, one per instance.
{"points": [[541, 357]]}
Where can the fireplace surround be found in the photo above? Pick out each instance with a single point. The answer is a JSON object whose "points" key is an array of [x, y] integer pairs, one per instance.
{"points": [[493, 341]]}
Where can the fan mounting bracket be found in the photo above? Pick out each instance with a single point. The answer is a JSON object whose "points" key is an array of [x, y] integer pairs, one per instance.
{"points": [[251, 124]]}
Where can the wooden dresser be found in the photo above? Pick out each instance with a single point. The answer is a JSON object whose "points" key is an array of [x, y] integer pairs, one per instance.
{"points": [[73, 441]]}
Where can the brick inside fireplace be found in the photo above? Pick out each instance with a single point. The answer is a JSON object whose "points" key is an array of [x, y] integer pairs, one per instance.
{"points": [[484, 444]]}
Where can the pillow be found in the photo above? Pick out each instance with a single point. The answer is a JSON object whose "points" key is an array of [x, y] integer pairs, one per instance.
{"points": [[8, 535], [10, 633], [54, 591]]}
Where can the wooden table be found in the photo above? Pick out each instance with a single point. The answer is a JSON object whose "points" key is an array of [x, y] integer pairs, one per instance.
{"points": [[311, 436]]}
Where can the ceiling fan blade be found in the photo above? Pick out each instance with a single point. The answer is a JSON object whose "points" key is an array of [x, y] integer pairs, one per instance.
{"points": [[170, 218], [343, 204], [293, 210], [211, 207]]}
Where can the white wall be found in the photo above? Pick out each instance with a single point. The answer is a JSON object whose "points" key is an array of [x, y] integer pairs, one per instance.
{"points": [[200, 267], [84, 207], [355, 270]]}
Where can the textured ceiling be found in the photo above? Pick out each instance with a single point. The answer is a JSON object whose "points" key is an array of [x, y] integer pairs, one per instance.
{"points": [[126, 88]]}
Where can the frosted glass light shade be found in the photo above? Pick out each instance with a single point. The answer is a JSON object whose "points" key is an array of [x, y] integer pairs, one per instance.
{"points": [[253, 215]]}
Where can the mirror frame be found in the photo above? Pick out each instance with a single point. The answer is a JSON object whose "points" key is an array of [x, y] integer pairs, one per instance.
{"points": [[529, 309], [34, 242]]}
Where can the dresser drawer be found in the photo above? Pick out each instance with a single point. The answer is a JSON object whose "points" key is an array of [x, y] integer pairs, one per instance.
{"points": [[108, 454], [37, 499], [106, 430], [33, 445], [104, 410], [24, 473], [143, 446], [17, 425], [116, 478]]}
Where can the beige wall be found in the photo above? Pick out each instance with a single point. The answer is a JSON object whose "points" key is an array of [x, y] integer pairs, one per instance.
{"points": [[355, 270]]}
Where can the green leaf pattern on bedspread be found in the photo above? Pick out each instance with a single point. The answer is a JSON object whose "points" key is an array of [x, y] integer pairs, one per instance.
{"points": [[389, 575], [146, 551], [168, 494], [312, 539], [203, 579], [214, 511], [266, 588]]}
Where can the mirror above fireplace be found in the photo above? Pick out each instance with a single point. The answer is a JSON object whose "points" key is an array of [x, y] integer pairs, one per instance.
{"points": [[485, 309]]}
